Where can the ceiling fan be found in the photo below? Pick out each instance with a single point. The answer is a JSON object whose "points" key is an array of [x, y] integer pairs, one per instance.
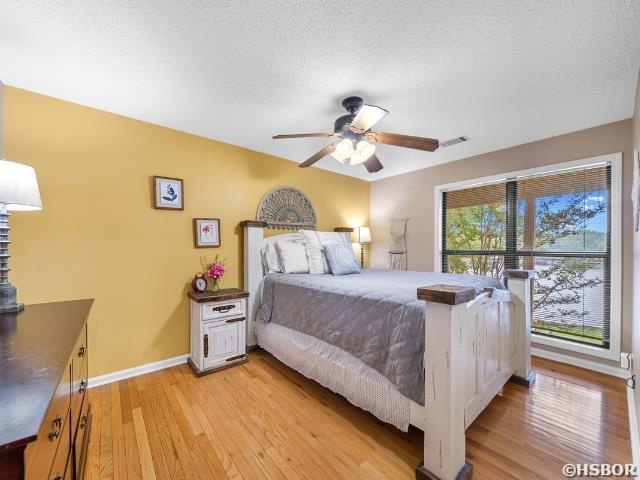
{"points": [[355, 144]]}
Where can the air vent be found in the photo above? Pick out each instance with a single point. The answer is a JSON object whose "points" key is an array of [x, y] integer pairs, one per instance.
{"points": [[454, 141]]}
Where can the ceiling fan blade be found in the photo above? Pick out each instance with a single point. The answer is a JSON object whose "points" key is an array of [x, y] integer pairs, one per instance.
{"points": [[321, 154], [373, 164], [302, 135], [367, 117], [407, 141]]}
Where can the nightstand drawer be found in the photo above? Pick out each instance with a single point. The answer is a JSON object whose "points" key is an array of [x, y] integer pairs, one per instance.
{"points": [[222, 309]]}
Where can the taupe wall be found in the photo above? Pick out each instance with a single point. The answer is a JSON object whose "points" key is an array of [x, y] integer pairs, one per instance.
{"points": [[414, 193]]}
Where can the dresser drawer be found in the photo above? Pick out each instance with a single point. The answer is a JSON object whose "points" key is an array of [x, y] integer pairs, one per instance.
{"points": [[61, 464], [54, 427], [212, 311], [77, 397]]}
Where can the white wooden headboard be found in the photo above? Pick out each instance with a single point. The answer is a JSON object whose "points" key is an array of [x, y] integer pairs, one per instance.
{"points": [[254, 242]]}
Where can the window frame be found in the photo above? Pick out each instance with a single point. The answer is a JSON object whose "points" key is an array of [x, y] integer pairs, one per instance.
{"points": [[615, 296]]}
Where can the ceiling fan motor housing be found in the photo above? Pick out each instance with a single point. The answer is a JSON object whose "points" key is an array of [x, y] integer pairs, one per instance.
{"points": [[352, 104], [341, 125]]}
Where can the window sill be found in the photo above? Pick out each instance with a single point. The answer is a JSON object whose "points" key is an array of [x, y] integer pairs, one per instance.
{"points": [[612, 353]]}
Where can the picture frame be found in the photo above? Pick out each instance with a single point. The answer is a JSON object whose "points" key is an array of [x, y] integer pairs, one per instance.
{"points": [[206, 232], [168, 193]]}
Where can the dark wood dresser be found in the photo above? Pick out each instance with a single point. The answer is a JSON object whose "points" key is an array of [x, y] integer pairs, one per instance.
{"points": [[44, 416]]}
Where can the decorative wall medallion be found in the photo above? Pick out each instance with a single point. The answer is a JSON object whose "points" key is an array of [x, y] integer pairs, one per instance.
{"points": [[287, 208]]}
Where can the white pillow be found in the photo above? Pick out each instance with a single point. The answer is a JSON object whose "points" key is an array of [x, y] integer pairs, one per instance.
{"points": [[270, 259], [312, 238], [292, 256], [316, 258], [324, 238]]}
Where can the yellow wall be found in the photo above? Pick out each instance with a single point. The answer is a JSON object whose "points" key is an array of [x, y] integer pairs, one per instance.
{"points": [[98, 235]]}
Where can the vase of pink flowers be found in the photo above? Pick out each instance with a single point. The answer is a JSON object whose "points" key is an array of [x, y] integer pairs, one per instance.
{"points": [[214, 270]]}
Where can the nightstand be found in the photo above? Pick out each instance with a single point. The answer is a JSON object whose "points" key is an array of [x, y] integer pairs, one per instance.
{"points": [[218, 330]]}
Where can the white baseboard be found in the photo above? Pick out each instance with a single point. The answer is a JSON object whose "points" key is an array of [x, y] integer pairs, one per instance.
{"points": [[580, 362], [135, 371], [633, 427]]}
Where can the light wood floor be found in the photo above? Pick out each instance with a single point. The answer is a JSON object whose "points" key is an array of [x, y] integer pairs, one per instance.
{"points": [[263, 420]]}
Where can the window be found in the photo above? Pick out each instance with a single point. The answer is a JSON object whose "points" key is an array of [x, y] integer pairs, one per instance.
{"points": [[558, 223]]}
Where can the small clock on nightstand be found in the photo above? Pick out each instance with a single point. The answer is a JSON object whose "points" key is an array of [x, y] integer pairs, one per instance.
{"points": [[199, 283], [217, 329]]}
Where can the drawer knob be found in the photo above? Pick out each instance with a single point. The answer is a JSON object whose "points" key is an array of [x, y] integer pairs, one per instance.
{"points": [[83, 386], [58, 477], [82, 351], [83, 421], [54, 434]]}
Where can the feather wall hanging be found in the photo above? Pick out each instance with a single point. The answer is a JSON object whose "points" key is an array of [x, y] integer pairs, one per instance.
{"points": [[398, 243]]}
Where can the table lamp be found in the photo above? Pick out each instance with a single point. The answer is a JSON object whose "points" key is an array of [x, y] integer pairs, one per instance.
{"points": [[18, 192], [363, 235]]}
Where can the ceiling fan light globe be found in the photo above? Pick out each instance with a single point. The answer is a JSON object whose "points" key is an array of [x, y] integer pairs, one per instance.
{"points": [[344, 147], [343, 151], [364, 151], [340, 157]]}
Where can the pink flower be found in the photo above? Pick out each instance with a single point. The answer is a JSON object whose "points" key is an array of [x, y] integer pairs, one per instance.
{"points": [[216, 271], [206, 228]]}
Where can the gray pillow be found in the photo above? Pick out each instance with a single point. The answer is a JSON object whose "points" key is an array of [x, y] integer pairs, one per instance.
{"points": [[341, 259]]}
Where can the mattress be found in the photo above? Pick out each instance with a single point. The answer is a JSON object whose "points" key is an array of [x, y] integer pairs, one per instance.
{"points": [[375, 316]]}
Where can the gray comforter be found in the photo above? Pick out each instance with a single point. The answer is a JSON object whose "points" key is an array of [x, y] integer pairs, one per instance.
{"points": [[374, 315]]}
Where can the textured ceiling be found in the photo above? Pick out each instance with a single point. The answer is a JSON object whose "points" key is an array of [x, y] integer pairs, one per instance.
{"points": [[501, 72]]}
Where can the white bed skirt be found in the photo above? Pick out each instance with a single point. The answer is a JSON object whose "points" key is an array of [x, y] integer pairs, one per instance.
{"points": [[340, 372]]}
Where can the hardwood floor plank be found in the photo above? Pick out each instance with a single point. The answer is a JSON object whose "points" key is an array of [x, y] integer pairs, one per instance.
{"points": [[144, 449], [92, 469], [117, 432], [151, 405], [263, 420], [106, 439]]}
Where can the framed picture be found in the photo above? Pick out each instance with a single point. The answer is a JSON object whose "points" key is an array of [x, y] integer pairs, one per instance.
{"points": [[168, 193], [206, 232]]}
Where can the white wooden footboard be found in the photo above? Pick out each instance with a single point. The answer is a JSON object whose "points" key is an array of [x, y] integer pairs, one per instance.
{"points": [[473, 346]]}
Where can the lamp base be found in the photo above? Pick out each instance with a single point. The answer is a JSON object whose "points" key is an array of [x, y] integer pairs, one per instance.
{"points": [[8, 299]]}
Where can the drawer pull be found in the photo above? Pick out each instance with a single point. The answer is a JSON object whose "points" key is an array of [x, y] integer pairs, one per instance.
{"points": [[58, 477], [206, 345], [234, 320], [83, 421], [82, 351], [57, 424], [83, 386], [223, 308]]}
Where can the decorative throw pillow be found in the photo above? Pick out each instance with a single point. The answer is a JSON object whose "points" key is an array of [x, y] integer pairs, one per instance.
{"points": [[341, 259], [270, 259], [292, 256], [316, 259], [312, 238]]}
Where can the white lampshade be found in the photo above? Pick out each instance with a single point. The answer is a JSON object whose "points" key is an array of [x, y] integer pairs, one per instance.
{"points": [[363, 235], [19, 187]]}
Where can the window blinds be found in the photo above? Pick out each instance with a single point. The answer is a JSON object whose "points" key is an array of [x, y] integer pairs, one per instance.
{"points": [[558, 224]]}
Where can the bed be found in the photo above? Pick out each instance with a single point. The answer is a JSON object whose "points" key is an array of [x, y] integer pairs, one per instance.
{"points": [[413, 348]]}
